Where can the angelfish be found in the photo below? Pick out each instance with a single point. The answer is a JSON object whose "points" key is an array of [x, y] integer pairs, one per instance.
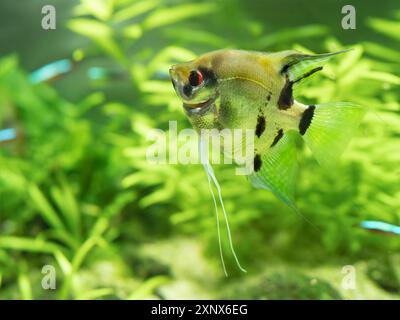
{"points": [[239, 89]]}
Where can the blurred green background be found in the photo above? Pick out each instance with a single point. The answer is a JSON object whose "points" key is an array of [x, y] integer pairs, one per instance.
{"points": [[77, 193]]}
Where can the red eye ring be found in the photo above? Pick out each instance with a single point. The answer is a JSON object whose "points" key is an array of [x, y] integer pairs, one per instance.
{"points": [[195, 78]]}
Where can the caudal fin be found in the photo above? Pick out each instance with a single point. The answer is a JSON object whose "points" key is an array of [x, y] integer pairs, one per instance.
{"points": [[328, 128]]}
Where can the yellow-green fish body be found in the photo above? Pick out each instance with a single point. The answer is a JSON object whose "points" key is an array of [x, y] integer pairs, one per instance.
{"points": [[239, 89]]}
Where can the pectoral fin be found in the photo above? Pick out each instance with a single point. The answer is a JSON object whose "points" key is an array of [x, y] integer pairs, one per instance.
{"points": [[275, 169]]}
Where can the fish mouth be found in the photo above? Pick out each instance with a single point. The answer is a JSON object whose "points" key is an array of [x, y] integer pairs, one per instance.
{"points": [[199, 108]]}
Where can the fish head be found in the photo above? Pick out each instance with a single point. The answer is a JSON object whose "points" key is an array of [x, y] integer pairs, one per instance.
{"points": [[195, 84]]}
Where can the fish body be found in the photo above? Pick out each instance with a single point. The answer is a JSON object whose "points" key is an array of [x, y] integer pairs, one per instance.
{"points": [[247, 87], [380, 227], [237, 89], [51, 71]]}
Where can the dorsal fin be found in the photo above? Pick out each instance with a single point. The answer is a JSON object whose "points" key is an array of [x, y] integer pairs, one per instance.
{"points": [[297, 65]]}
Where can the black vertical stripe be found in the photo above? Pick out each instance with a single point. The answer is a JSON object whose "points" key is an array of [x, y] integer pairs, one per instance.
{"points": [[285, 100], [278, 137], [309, 73], [306, 119], [257, 162], [260, 128]]}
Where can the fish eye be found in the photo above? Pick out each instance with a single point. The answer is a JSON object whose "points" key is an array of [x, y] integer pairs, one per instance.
{"points": [[195, 78]]}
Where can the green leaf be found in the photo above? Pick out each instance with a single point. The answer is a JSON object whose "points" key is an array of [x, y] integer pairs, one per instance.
{"points": [[382, 52], [95, 294], [289, 35], [83, 251], [133, 31], [27, 244], [167, 56], [101, 34], [92, 29], [68, 206], [25, 287], [349, 59], [101, 9], [147, 288], [63, 262], [92, 100], [44, 207], [167, 16], [134, 10], [196, 36], [382, 77], [8, 64], [387, 27]]}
